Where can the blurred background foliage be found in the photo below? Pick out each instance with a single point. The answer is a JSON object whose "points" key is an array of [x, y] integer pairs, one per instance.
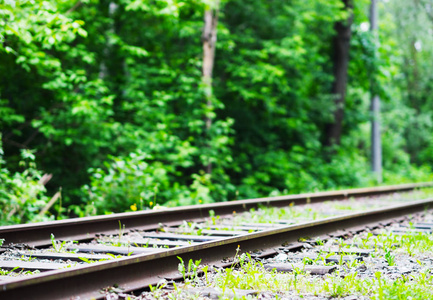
{"points": [[108, 97]]}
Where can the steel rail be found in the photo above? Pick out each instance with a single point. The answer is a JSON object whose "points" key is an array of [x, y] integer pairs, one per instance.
{"points": [[139, 271], [80, 229]]}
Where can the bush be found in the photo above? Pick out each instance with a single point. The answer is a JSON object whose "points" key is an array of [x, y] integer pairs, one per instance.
{"points": [[22, 196], [137, 182]]}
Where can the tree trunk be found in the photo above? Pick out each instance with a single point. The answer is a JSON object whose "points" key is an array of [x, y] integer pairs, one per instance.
{"points": [[209, 38], [103, 69], [341, 47]]}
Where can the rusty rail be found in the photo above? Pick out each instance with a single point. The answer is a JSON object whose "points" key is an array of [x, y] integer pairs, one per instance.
{"points": [[86, 228]]}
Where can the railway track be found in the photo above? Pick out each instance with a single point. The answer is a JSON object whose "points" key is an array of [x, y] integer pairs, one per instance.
{"points": [[136, 250]]}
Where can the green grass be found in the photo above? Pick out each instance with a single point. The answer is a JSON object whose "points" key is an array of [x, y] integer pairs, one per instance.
{"points": [[312, 212], [252, 276], [17, 271], [248, 274]]}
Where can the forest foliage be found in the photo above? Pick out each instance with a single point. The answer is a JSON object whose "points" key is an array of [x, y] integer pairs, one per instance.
{"points": [[108, 97]]}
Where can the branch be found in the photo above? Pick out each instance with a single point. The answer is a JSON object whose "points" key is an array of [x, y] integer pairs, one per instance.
{"points": [[31, 137], [73, 8], [51, 202], [16, 144], [45, 178]]}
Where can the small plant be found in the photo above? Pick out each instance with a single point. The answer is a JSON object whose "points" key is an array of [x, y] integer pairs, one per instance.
{"points": [[296, 272], [121, 232], [378, 276], [86, 260], [353, 263], [366, 240], [236, 258], [5, 272], [190, 273], [27, 258], [21, 272], [205, 271], [307, 261], [192, 228], [319, 242], [159, 286], [89, 261], [341, 244], [145, 245], [58, 246], [390, 258], [214, 218]]}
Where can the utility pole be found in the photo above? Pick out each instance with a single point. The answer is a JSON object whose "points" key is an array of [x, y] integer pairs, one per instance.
{"points": [[376, 144]]}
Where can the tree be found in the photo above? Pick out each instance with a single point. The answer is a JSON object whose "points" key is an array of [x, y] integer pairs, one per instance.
{"points": [[340, 57], [125, 103], [412, 37]]}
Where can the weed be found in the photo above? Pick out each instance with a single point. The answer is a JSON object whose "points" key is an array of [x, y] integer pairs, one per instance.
{"points": [[21, 272], [159, 286], [191, 228], [296, 272], [58, 246], [319, 242], [235, 259], [121, 232], [190, 273], [86, 260], [205, 271], [213, 217], [353, 263], [27, 258], [410, 242], [5, 272], [112, 256], [390, 258], [366, 240], [307, 261], [378, 276]]}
